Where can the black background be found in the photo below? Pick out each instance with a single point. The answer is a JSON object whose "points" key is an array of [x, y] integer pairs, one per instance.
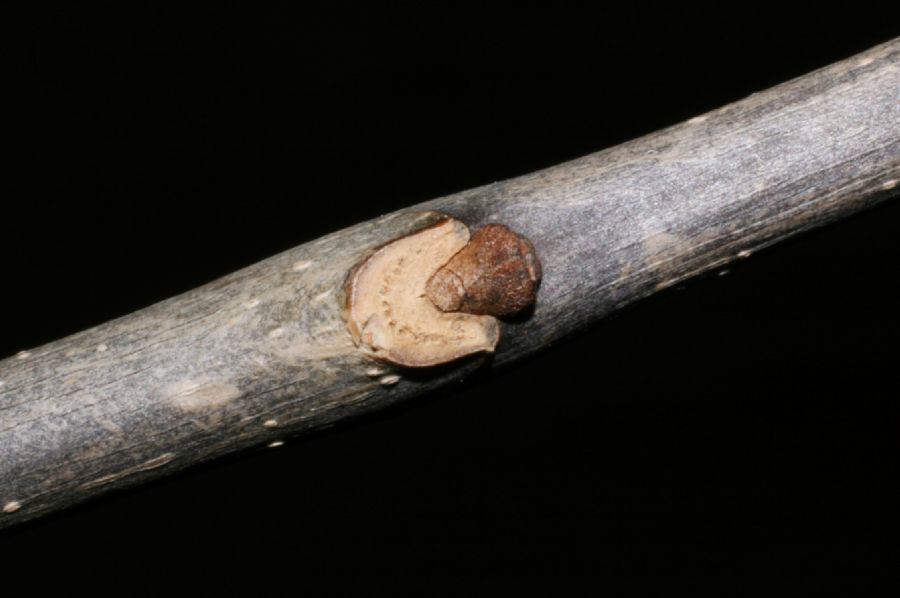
{"points": [[744, 426]]}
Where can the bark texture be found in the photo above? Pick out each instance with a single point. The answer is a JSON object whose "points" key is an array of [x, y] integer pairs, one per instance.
{"points": [[265, 352]]}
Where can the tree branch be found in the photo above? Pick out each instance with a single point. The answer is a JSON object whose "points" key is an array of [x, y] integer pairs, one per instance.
{"points": [[265, 352]]}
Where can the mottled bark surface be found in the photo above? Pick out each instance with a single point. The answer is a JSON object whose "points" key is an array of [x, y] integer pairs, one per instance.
{"points": [[265, 352]]}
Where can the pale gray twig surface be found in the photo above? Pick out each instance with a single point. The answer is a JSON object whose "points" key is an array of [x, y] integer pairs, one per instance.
{"points": [[265, 353]]}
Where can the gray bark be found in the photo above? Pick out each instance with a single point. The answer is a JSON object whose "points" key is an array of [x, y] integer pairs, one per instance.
{"points": [[264, 353]]}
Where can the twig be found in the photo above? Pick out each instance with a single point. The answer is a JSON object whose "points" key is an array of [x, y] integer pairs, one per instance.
{"points": [[266, 352]]}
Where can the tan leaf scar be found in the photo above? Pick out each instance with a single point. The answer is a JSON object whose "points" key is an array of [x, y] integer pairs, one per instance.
{"points": [[433, 296]]}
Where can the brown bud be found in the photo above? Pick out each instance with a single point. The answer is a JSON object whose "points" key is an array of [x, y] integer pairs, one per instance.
{"points": [[497, 273]]}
